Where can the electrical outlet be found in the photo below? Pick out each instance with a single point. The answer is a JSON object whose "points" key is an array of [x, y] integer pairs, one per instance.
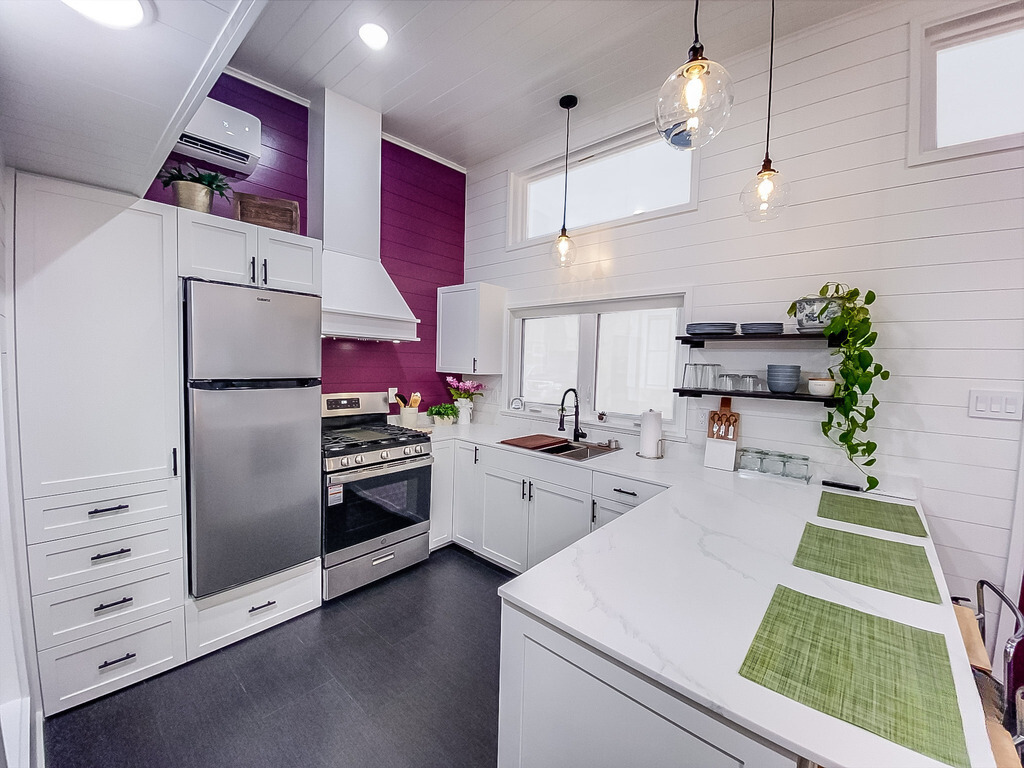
{"points": [[702, 418], [392, 391]]}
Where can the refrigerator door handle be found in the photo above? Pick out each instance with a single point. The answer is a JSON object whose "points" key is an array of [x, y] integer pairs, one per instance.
{"points": [[264, 271]]}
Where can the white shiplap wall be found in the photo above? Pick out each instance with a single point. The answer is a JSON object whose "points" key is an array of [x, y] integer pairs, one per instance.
{"points": [[942, 245]]}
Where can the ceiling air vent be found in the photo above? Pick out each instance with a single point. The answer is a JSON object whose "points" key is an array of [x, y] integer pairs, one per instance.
{"points": [[224, 136]]}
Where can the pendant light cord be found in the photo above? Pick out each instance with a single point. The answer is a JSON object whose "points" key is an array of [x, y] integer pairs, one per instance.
{"points": [[771, 69], [565, 189], [696, 37]]}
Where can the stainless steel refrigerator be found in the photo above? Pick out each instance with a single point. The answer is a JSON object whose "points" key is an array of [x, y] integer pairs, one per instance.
{"points": [[253, 420]]}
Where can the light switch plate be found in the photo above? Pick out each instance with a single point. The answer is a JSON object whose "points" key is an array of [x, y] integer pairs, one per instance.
{"points": [[995, 404]]}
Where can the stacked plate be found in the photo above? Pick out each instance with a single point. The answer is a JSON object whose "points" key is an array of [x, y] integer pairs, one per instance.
{"points": [[783, 378], [764, 329], [711, 329]]}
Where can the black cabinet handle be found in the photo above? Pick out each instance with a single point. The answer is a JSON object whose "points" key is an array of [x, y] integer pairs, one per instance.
{"points": [[252, 270], [174, 462], [126, 657], [628, 493], [104, 606], [118, 508], [264, 271], [531, 490], [476, 454], [261, 607], [105, 555], [524, 488], [593, 511], [474, 365]]}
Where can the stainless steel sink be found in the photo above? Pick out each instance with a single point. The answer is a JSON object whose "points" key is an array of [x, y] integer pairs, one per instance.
{"points": [[578, 451]]}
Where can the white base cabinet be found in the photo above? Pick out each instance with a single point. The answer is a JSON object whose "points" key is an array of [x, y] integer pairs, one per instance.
{"points": [[467, 511], [563, 704], [558, 517], [442, 493]]}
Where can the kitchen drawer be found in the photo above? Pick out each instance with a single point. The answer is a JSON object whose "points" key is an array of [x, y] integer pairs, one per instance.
{"points": [[225, 618], [77, 612], [68, 562], [85, 669], [71, 514], [624, 489]]}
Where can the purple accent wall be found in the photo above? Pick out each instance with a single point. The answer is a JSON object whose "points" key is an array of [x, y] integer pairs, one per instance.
{"points": [[422, 234], [282, 169]]}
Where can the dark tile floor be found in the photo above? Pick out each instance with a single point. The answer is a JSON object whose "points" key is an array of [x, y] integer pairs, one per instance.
{"points": [[401, 673]]}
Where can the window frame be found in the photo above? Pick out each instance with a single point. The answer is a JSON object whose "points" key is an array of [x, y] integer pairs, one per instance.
{"points": [[927, 37], [519, 181], [674, 423]]}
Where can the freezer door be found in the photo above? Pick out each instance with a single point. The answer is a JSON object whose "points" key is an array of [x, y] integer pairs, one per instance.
{"points": [[254, 483], [237, 332]]}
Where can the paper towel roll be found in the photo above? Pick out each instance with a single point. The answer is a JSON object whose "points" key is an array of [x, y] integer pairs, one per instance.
{"points": [[650, 434]]}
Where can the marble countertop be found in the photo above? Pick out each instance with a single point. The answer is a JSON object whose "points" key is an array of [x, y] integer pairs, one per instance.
{"points": [[713, 547]]}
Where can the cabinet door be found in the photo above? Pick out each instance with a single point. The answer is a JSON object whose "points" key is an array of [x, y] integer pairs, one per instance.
{"points": [[605, 511], [505, 518], [97, 338], [558, 517], [289, 262], [442, 486], [467, 511], [458, 313], [216, 248]]}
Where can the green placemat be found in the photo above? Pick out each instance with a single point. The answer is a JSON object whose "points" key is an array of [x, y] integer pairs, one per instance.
{"points": [[885, 677], [889, 565], [898, 518]]}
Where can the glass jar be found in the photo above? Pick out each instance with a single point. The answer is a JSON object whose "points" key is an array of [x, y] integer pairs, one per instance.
{"points": [[774, 463], [750, 459], [797, 466]]}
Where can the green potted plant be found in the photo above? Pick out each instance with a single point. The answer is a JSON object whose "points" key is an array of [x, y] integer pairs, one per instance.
{"points": [[443, 414], [193, 189], [847, 423]]}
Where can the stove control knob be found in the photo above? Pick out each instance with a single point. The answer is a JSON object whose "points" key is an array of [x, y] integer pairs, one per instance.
{"points": [[385, 454], [359, 459], [344, 461], [407, 450], [419, 449]]}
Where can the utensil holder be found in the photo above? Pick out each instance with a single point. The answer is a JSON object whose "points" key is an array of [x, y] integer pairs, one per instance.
{"points": [[408, 417]]}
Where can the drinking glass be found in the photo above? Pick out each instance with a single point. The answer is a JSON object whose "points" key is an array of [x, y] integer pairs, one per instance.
{"points": [[750, 383], [709, 376], [693, 374]]}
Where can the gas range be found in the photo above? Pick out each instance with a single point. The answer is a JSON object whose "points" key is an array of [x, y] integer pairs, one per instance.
{"points": [[355, 433]]}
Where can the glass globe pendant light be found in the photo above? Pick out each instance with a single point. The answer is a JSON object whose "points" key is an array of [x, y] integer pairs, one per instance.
{"points": [[695, 101], [563, 250], [766, 194]]}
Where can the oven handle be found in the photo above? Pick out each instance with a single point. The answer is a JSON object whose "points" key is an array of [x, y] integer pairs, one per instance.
{"points": [[338, 478]]}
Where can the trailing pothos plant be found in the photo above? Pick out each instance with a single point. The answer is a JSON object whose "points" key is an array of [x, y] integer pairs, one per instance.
{"points": [[847, 423]]}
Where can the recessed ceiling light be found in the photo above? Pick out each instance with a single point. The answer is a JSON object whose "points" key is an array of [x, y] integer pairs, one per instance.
{"points": [[374, 35], [116, 14]]}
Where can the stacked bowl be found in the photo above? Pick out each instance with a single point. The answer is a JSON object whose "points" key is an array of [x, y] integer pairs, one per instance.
{"points": [[783, 378]]}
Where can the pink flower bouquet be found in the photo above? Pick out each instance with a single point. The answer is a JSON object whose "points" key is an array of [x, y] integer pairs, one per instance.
{"points": [[464, 390]]}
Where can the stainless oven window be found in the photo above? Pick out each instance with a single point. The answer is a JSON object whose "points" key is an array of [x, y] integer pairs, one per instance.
{"points": [[374, 504]]}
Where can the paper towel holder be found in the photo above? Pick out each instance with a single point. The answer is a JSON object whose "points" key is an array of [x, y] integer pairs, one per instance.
{"points": [[661, 451]]}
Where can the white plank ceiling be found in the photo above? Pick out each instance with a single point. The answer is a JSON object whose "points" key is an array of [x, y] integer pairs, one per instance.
{"points": [[467, 79], [82, 102]]}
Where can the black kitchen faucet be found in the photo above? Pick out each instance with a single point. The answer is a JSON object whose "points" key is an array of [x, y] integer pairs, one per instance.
{"points": [[577, 433]]}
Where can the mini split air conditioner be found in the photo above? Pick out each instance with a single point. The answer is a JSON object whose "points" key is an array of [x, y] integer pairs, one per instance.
{"points": [[224, 136]]}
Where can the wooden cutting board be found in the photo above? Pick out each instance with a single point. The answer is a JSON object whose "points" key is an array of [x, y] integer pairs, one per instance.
{"points": [[535, 442]]}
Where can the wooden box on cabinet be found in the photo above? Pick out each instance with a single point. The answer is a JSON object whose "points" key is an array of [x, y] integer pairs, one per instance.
{"points": [[470, 328]]}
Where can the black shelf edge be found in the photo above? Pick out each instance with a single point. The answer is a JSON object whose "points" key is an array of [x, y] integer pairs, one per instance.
{"points": [[828, 402], [698, 342]]}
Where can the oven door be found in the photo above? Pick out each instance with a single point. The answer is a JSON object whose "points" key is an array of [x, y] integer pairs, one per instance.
{"points": [[367, 509]]}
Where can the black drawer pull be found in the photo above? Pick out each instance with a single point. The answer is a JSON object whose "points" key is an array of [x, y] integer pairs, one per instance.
{"points": [[105, 555], [118, 508], [628, 493], [104, 606], [126, 657], [261, 607]]}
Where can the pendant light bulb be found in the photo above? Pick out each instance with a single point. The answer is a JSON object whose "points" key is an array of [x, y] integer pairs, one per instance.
{"points": [[563, 250], [695, 101], [764, 196]]}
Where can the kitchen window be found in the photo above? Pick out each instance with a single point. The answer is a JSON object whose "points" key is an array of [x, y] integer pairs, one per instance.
{"points": [[966, 75], [631, 177], [622, 356]]}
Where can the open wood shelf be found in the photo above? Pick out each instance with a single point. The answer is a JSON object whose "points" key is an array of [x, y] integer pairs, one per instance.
{"points": [[698, 342], [828, 402]]}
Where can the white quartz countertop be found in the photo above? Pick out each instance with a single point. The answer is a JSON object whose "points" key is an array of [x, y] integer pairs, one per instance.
{"points": [[677, 588]]}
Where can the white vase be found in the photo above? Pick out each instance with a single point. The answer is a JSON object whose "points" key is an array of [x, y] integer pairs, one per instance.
{"points": [[465, 406]]}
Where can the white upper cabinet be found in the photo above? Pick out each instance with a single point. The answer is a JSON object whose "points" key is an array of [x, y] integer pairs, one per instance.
{"points": [[229, 251], [97, 338], [470, 328]]}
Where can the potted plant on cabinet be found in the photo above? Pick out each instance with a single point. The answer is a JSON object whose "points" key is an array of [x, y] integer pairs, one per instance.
{"points": [[463, 393], [846, 424], [444, 414], [193, 189]]}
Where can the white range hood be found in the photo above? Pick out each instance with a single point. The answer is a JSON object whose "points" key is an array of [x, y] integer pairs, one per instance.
{"points": [[360, 300]]}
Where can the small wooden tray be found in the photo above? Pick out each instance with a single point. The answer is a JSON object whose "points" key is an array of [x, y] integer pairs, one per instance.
{"points": [[266, 211], [535, 442]]}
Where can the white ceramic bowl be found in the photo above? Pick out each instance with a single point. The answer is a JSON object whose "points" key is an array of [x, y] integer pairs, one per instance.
{"points": [[821, 387]]}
